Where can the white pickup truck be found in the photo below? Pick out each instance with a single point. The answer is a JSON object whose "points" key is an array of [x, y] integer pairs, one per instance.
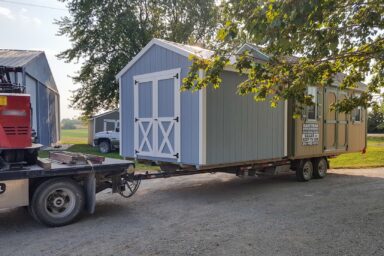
{"points": [[107, 141]]}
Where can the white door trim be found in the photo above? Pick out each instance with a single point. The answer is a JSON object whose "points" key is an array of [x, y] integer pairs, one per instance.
{"points": [[155, 119]]}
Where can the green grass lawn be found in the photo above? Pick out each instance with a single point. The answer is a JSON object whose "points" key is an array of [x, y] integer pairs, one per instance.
{"points": [[374, 157], [75, 136]]}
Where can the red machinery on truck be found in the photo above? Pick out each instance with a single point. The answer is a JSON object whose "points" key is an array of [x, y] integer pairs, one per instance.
{"points": [[16, 145]]}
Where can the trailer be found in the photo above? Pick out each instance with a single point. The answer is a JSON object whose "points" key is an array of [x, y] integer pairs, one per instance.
{"points": [[55, 191]]}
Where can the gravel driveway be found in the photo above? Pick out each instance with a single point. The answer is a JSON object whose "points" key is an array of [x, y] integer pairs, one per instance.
{"points": [[219, 214]]}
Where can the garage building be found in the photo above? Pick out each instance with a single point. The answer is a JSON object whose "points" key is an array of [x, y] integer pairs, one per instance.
{"points": [[107, 121], [36, 75]]}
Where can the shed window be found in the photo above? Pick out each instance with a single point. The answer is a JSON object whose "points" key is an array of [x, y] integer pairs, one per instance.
{"points": [[312, 110], [356, 113]]}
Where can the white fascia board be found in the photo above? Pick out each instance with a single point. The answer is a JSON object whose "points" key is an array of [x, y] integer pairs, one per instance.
{"points": [[105, 113], [253, 48], [159, 42]]}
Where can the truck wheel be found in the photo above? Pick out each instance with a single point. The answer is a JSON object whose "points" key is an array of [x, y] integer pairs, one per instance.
{"points": [[57, 202], [320, 167], [104, 147], [304, 171]]}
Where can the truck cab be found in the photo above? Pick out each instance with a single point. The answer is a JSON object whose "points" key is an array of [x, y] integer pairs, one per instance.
{"points": [[107, 141]]}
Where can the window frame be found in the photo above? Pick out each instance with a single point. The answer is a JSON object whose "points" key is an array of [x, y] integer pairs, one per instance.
{"points": [[359, 109], [312, 90]]}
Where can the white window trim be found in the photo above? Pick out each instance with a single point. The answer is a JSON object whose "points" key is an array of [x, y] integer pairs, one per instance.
{"points": [[315, 97], [359, 109], [154, 78], [110, 121]]}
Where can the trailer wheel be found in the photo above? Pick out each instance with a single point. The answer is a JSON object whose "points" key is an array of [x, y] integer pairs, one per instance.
{"points": [[320, 168], [57, 202], [304, 171]]}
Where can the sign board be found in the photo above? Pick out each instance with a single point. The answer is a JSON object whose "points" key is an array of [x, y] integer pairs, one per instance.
{"points": [[310, 135]]}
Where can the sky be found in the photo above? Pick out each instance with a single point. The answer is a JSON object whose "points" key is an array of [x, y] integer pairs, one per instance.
{"points": [[29, 27]]}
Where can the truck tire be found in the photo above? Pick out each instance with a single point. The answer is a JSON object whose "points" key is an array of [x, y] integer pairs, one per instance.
{"points": [[320, 166], [104, 147], [304, 171], [57, 202]]}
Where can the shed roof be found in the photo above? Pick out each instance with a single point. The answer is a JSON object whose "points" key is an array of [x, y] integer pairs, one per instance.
{"points": [[187, 50], [17, 58], [34, 62], [103, 114]]}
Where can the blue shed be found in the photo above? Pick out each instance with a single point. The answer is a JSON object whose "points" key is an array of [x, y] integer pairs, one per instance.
{"points": [[40, 85], [205, 128]]}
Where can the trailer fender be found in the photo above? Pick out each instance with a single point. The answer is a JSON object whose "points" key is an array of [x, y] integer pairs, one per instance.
{"points": [[90, 192]]}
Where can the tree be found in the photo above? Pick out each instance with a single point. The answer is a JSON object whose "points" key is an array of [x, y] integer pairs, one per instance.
{"points": [[69, 124], [376, 119], [107, 34], [308, 41]]}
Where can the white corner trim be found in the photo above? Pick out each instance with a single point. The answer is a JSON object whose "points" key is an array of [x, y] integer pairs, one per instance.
{"points": [[202, 123], [120, 131], [286, 128]]}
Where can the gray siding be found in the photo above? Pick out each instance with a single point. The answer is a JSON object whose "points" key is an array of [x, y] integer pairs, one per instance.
{"points": [[158, 59], [99, 125], [239, 128], [44, 129], [39, 69]]}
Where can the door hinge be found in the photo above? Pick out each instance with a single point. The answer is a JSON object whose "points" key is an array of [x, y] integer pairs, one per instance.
{"points": [[136, 82], [176, 76], [176, 119], [176, 155], [137, 151], [136, 119]]}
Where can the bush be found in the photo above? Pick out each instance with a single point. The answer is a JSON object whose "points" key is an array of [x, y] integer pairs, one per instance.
{"points": [[376, 120], [68, 124]]}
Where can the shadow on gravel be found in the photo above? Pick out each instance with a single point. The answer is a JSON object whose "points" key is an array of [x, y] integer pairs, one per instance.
{"points": [[204, 188]]}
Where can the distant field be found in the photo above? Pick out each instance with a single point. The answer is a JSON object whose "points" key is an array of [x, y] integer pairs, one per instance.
{"points": [[75, 136]]}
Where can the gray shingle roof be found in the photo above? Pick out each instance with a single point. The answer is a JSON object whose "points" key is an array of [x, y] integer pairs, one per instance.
{"points": [[17, 58]]}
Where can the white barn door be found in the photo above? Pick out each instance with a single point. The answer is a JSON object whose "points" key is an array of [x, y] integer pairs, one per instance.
{"points": [[157, 114]]}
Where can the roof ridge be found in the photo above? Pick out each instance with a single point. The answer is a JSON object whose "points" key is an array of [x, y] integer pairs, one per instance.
{"points": [[22, 50]]}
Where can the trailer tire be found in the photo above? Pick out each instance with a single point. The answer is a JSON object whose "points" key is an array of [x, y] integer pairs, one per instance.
{"points": [[57, 202], [304, 171], [320, 166]]}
